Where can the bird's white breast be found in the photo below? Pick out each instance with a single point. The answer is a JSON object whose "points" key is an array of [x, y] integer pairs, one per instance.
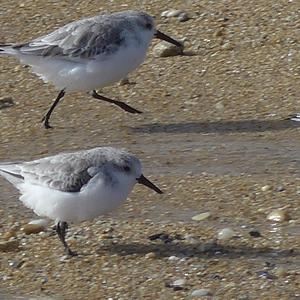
{"points": [[97, 199], [88, 74]]}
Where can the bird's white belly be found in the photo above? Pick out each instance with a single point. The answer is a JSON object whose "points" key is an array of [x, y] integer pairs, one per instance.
{"points": [[73, 207], [87, 74]]}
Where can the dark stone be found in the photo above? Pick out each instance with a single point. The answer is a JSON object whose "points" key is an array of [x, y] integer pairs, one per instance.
{"points": [[6, 102], [255, 233]]}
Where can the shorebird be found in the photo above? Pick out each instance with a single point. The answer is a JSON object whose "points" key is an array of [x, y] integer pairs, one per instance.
{"points": [[78, 186], [90, 53]]}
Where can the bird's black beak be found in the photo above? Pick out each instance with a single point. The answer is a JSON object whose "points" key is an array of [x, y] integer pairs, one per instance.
{"points": [[143, 180], [166, 38]]}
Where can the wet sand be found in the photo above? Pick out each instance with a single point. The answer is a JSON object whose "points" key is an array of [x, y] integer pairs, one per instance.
{"points": [[213, 136]]}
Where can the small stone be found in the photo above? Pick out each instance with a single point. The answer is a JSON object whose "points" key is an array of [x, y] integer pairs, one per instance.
{"points": [[201, 217], [9, 246], [255, 233], [178, 284], [41, 222], [32, 228], [164, 13], [16, 264], [227, 46], [171, 13], [201, 293], [9, 234], [173, 258], [265, 188], [280, 188], [150, 255], [164, 49], [278, 215], [6, 102], [226, 234], [64, 258], [183, 17]]}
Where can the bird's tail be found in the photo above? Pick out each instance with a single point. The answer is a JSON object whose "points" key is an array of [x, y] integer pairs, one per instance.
{"points": [[6, 49], [11, 172]]}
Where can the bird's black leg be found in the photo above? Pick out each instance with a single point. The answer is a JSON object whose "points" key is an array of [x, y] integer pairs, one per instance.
{"points": [[47, 116], [61, 230], [121, 104]]}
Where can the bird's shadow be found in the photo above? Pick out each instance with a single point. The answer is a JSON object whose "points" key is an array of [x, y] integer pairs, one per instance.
{"points": [[251, 125], [203, 250]]}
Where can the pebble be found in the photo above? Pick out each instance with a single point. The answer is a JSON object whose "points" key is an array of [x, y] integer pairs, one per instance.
{"points": [[41, 222], [9, 234], [33, 228], [64, 258], [201, 217], [183, 17], [150, 255], [164, 49], [16, 264], [9, 245], [173, 258], [178, 284], [278, 215], [225, 234], [265, 188], [227, 46], [171, 13], [280, 188], [6, 102], [201, 293], [255, 233]]}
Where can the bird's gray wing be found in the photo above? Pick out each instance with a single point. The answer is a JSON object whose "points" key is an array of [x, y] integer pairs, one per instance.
{"points": [[80, 39], [66, 173]]}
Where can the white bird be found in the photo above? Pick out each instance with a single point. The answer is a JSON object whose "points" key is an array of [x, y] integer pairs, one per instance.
{"points": [[90, 53], [78, 186]]}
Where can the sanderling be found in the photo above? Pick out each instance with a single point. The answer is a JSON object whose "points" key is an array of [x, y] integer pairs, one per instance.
{"points": [[78, 186], [90, 53]]}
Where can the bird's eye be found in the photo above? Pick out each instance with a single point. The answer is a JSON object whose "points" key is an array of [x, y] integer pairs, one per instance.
{"points": [[126, 169]]}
